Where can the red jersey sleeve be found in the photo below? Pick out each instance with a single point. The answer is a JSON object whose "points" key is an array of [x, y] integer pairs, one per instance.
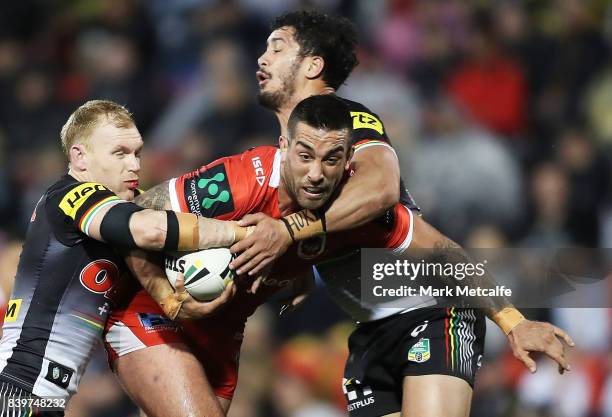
{"points": [[230, 187]]}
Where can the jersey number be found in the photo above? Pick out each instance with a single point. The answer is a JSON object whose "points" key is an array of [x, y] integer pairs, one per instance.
{"points": [[99, 276]]}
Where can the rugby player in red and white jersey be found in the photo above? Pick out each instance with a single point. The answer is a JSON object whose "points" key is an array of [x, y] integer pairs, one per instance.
{"points": [[312, 54], [309, 53], [310, 164]]}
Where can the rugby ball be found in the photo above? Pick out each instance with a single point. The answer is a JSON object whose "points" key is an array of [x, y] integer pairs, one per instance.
{"points": [[206, 272]]}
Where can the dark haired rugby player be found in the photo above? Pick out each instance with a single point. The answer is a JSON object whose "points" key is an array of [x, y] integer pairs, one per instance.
{"points": [[312, 54]]}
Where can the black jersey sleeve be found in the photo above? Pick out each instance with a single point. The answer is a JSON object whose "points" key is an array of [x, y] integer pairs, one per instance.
{"points": [[368, 128], [72, 207], [368, 131]]}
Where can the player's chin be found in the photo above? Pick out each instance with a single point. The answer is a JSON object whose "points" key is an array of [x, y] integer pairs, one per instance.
{"points": [[127, 194], [312, 202]]}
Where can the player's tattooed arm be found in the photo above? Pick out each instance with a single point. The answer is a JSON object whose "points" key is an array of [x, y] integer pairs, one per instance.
{"points": [[156, 198], [211, 233], [525, 336], [446, 251]]}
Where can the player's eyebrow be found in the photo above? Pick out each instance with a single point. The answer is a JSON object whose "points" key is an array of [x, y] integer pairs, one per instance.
{"points": [[276, 40], [337, 149], [308, 147]]}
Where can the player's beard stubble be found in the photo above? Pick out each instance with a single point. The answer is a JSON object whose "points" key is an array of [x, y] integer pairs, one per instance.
{"points": [[274, 100]]}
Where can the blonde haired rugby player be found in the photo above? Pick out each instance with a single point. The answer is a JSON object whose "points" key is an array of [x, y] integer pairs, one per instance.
{"points": [[68, 266]]}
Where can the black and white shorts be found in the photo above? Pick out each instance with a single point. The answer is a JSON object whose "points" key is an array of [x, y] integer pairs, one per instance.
{"points": [[430, 341]]}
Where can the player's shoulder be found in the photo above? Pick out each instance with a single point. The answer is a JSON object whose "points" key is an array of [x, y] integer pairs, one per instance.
{"points": [[265, 153], [263, 163], [367, 125], [70, 195], [68, 186], [355, 105]]}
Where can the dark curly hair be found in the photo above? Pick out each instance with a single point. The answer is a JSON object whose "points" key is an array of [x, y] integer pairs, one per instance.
{"points": [[331, 37]]}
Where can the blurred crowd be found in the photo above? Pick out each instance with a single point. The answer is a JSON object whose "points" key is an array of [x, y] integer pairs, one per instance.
{"points": [[500, 111]]}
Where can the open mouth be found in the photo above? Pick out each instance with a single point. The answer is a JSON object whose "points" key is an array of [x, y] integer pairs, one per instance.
{"points": [[314, 192], [262, 78], [132, 185]]}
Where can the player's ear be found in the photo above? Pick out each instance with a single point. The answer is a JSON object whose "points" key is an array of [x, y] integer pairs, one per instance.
{"points": [[314, 67], [78, 157], [283, 142], [351, 152]]}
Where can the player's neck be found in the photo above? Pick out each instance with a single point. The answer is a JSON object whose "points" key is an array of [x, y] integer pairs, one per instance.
{"points": [[283, 113], [82, 176], [286, 203]]}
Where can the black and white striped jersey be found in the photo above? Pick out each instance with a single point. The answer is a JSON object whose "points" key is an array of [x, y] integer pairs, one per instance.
{"points": [[59, 303]]}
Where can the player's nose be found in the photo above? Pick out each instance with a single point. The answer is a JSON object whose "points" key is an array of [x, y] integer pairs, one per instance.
{"points": [[262, 60], [133, 163], [315, 173]]}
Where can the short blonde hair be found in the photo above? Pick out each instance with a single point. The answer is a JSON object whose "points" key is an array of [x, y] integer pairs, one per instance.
{"points": [[84, 119]]}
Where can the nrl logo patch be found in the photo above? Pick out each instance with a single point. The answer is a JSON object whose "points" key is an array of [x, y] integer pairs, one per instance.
{"points": [[419, 352]]}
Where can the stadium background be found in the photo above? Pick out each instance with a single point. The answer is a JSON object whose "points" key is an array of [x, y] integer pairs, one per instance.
{"points": [[499, 111]]}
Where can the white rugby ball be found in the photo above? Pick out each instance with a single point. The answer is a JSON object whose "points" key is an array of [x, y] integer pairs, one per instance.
{"points": [[206, 272]]}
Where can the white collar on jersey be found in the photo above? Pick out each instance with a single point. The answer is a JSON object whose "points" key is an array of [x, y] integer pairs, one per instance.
{"points": [[275, 176]]}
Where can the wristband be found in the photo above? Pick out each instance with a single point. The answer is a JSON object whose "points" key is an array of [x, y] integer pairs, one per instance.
{"points": [[240, 232], [115, 226], [508, 319], [304, 224], [171, 304], [172, 231], [183, 231]]}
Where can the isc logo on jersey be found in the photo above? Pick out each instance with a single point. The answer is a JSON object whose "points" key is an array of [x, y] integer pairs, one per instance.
{"points": [[73, 200], [260, 175]]}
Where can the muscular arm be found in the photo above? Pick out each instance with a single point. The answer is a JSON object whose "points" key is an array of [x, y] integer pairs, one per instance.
{"points": [[149, 227], [372, 189], [213, 233], [425, 236], [524, 335]]}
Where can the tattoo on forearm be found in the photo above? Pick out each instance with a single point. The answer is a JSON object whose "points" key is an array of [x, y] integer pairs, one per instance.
{"points": [[447, 251], [155, 198]]}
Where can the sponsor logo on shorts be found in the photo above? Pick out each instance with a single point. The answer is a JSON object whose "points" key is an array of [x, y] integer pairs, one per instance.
{"points": [[363, 120], [420, 328], [75, 198], [357, 395], [58, 375], [12, 310], [156, 322], [209, 193], [419, 352]]}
